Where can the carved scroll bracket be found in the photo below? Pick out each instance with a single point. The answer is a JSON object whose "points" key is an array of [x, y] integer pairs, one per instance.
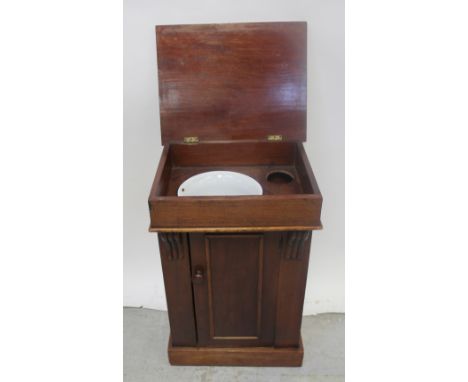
{"points": [[173, 245], [293, 244]]}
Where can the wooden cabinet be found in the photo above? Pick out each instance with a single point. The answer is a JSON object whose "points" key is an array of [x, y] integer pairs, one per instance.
{"points": [[233, 98], [235, 290]]}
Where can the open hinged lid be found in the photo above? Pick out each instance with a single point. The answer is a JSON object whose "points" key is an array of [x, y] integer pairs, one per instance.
{"points": [[223, 82]]}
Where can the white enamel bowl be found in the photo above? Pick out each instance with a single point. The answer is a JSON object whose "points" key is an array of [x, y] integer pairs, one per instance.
{"points": [[219, 183]]}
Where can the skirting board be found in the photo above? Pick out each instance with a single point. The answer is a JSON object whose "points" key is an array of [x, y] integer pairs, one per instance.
{"points": [[239, 356]]}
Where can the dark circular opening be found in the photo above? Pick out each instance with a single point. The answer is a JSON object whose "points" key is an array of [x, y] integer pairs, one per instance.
{"points": [[280, 177]]}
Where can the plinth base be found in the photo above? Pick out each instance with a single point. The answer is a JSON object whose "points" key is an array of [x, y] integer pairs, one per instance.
{"points": [[239, 356]]}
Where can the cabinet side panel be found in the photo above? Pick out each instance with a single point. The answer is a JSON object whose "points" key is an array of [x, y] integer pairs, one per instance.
{"points": [[295, 247], [175, 261]]}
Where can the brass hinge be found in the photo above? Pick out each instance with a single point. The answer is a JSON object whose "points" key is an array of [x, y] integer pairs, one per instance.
{"points": [[190, 140], [274, 138]]}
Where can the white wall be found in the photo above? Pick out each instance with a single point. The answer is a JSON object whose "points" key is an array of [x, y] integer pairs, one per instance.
{"points": [[143, 283]]}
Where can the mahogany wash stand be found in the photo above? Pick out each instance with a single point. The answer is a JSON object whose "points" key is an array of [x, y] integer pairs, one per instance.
{"points": [[233, 97]]}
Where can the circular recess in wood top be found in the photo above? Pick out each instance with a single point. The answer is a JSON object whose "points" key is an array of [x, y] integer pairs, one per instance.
{"points": [[280, 177]]}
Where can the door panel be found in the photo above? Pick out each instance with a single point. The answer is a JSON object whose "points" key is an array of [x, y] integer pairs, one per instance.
{"points": [[235, 281], [234, 275]]}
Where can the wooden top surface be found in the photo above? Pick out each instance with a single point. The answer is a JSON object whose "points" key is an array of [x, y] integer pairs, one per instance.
{"points": [[222, 82]]}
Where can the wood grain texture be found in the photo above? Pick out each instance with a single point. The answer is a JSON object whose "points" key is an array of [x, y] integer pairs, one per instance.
{"points": [[234, 154], [236, 303], [291, 288], [232, 356], [223, 82], [304, 169], [236, 211], [162, 177], [175, 262], [235, 281]]}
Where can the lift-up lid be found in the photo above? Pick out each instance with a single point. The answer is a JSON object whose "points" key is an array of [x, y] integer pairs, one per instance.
{"points": [[223, 82]]}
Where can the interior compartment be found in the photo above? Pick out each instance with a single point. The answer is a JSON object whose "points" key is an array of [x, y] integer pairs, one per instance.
{"points": [[291, 197], [278, 167], [280, 177]]}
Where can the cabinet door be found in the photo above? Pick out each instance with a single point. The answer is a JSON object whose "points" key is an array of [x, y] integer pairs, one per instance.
{"points": [[235, 280]]}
